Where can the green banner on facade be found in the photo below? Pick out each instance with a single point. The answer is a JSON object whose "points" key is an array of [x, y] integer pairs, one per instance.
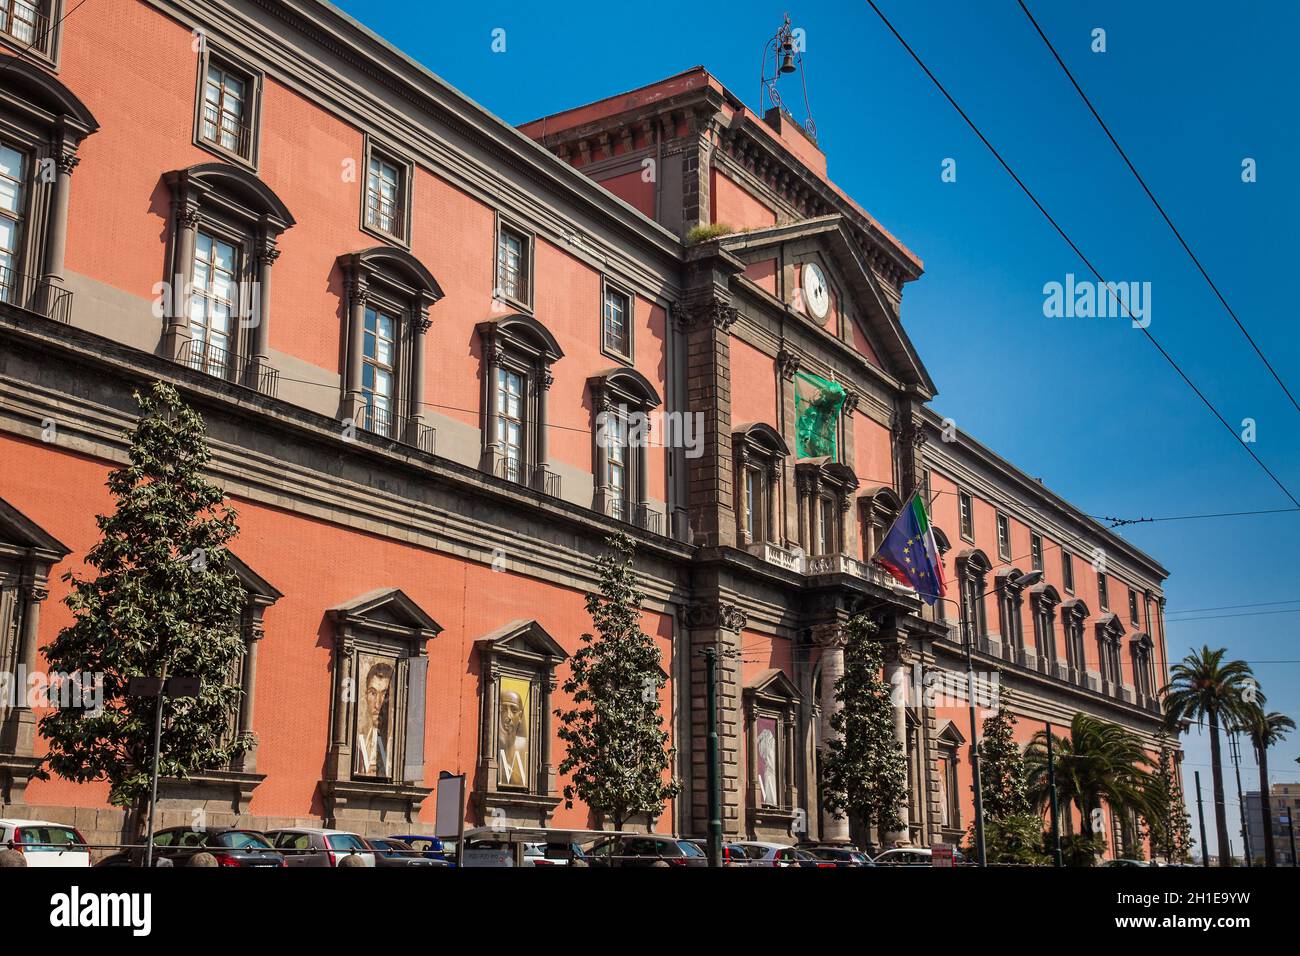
{"points": [[817, 404]]}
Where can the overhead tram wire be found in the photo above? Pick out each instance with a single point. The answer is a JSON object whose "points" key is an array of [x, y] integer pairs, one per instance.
{"points": [[1159, 208], [1079, 252]]}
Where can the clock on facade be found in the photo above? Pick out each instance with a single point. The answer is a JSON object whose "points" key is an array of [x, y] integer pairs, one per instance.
{"points": [[816, 292]]}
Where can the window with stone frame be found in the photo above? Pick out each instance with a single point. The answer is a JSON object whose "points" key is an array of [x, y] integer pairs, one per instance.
{"points": [[514, 265], [1010, 618], [515, 778], [949, 743], [973, 567], [938, 611], [1074, 614], [31, 28], [377, 713], [622, 400], [388, 295], [517, 354], [1103, 591], [616, 320], [42, 125], [966, 516], [1043, 601], [1067, 571], [1004, 537], [1110, 633], [771, 703], [259, 595], [225, 226], [227, 106], [1133, 608], [1035, 551], [386, 194], [1140, 653], [759, 454], [825, 491], [27, 557], [879, 508]]}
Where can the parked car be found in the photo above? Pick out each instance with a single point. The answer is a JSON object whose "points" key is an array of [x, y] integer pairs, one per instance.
{"points": [[175, 846], [780, 855], [310, 846], [554, 854], [913, 856], [44, 843], [645, 850], [1126, 862], [733, 854], [431, 847], [390, 851], [838, 855]]}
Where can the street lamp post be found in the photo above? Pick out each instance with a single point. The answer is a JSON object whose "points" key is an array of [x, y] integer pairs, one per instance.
{"points": [[714, 768], [1200, 812], [1235, 748], [968, 640], [1051, 795]]}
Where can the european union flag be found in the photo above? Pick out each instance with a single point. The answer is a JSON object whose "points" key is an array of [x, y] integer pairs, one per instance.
{"points": [[909, 552]]}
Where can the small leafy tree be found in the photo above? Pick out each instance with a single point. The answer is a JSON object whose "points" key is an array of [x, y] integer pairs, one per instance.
{"points": [[618, 751], [1169, 824], [864, 770], [1002, 768], [165, 602], [1013, 833]]}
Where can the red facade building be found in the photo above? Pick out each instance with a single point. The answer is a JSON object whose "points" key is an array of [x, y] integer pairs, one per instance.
{"points": [[402, 320]]}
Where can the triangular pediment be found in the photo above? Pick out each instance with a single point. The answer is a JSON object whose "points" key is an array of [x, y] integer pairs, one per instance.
{"points": [[17, 531], [867, 318], [772, 684], [522, 638], [386, 608]]}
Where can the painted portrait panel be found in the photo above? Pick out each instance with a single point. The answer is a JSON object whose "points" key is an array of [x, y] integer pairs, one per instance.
{"points": [[373, 749], [767, 761], [514, 738]]}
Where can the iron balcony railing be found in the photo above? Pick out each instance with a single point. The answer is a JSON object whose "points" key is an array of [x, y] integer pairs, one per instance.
{"points": [[400, 428], [23, 20], [384, 214], [647, 518], [511, 469], [35, 294], [225, 129], [223, 364]]}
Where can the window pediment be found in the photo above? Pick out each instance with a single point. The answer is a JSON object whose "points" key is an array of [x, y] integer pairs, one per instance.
{"points": [[24, 537], [524, 641], [1076, 610], [772, 688], [623, 386], [387, 610], [233, 190], [1110, 626], [761, 437], [42, 99], [395, 267], [523, 334]]}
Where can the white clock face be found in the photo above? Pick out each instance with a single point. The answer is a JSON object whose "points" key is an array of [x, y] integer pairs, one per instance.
{"points": [[815, 291]]}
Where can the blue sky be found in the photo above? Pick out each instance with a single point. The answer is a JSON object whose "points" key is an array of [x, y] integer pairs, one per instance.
{"points": [[1088, 404]]}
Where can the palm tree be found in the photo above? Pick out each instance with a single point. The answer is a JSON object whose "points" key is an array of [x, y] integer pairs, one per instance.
{"points": [[1204, 686], [1265, 730], [1098, 761]]}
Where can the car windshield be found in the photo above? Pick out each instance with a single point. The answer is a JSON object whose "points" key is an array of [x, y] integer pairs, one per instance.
{"points": [[243, 840], [48, 839], [690, 849]]}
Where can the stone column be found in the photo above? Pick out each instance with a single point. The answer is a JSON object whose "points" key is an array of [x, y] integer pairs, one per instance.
{"points": [[339, 765], [178, 320], [787, 364], [259, 348], [248, 762], [65, 161], [22, 738], [358, 291], [718, 625], [832, 639], [420, 325], [544, 381]]}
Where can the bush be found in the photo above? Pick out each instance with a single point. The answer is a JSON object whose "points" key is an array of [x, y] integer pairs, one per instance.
{"points": [[705, 233], [1080, 850], [1018, 839]]}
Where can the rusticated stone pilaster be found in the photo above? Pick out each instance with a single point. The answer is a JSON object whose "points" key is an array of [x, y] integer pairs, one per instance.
{"points": [[717, 625]]}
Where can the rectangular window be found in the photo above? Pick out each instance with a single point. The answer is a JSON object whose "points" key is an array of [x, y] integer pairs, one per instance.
{"points": [[512, 265], [827, 512], [616, 323], [225, 112], [965, 516], [510, 422], [1004, 538], [1133, 607], [925, 488], [26, 23], [213, 305], [1036, 551], [13, 169], [379, 370], [385, 191], [617, 459], [1103, 596], [1067, 571]]}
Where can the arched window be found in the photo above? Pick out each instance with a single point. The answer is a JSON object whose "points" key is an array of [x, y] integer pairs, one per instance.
{"points": [[973, 566], [621, 400], [518, 352], [1073, 615], [1143, 676], [1043, 602], [226, 223], [1010, 620], [759, 453], [1110, 632], [878, 508], [389, 294], [42, 124]]}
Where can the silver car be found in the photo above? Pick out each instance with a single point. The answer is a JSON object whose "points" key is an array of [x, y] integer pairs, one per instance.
{"points": [[311, 846]]}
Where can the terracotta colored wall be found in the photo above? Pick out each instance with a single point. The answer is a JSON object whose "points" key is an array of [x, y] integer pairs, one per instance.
{"points": [[873, 459], [735, 206], [633, 190], [300, 557], [763, 273], [753, 386]]}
